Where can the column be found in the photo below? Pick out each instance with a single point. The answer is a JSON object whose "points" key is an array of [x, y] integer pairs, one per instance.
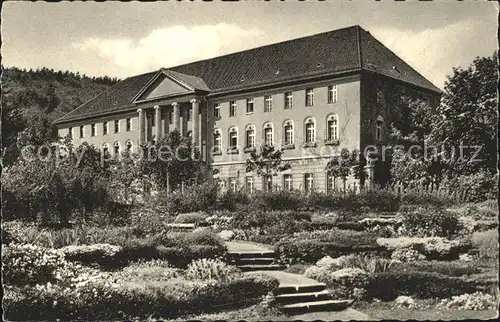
{"points": [[157, 123], [195, 105], [177, 116], [141, 125]]}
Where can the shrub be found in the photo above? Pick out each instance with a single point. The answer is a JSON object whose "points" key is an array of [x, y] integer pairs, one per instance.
{"points": [[229, 199], [389, 285], [190, 218], [486, 243], [347, 282], [154, 270], [379, 199], [197, 197], [278, 199], [180, 239], [297, 269], [429, 222], [211, 269], [448, 268], [431, 247], [475, 301], [29, 264], [125, 300], [405, 302], [424, 198], [407, 254]]}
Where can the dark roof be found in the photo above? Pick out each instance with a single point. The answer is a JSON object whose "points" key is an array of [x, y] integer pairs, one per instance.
{"points": [[334, 52]]}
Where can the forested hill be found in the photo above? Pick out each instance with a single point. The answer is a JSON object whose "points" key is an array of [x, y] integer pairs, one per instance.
{"points": [[52, 92], [32, 99]]}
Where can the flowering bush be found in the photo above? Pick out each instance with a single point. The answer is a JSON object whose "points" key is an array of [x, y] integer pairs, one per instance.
{"points": [[220, 221], [190, 218], [429, 222], [405, 302], [431, 247], [407, 254], [486, 243], [154, 270], [474, 301], [211, 269], [29, 264]]}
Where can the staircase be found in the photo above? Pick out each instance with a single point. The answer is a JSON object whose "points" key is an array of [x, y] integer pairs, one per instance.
{"points": [[308, 298], [255, 260], [296, 294]]}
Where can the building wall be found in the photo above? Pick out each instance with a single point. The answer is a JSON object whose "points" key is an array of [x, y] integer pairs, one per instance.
{"points": [[303, 159], [111, 137]]}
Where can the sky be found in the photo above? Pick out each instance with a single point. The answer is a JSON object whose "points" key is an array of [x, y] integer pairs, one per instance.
{"points": [[122, 39]]}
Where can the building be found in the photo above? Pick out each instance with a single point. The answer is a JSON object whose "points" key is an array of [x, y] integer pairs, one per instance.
{"points": [[312, 96]]}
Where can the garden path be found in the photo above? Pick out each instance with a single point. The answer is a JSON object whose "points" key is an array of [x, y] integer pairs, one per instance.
{"points": [[297, 293]]}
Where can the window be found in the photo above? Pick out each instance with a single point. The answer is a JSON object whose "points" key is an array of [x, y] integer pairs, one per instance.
{"points": [[217, 111], [232, 184], [308, 182], [332, 128], [249, 105], [92, 130], [249, 184], [105, 148], [116, 148], [378, 128], [330, 183], [117, 125], [129, 124], [310, 130], [232, 108], [233, 138], [129, 146], [309, 97], [268, 103], [288, 100], [70, 132], [250, 136], [287, 182], [81, 131], [268, 134], [217, 141], [288, 129], [332, 94], [105, 128]]}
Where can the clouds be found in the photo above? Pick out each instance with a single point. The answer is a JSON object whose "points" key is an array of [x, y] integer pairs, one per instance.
{"points": [[170, 46]]}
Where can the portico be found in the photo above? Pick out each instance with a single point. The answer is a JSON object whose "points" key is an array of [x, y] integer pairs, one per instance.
{"points": [[173, 101]]}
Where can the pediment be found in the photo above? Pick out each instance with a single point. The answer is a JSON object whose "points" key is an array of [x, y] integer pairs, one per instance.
{"points": [[163, 86]]}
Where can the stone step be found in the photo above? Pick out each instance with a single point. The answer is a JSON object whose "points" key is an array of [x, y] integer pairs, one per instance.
{"points": [[253, 261], [291, 298], [306, 288], [326, 305], [272, 267], [250, 254]]}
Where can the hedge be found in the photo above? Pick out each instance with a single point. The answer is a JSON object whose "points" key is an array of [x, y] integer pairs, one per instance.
{"points": [[310, 251], [164, 300], [388, 285], [143, 250]]}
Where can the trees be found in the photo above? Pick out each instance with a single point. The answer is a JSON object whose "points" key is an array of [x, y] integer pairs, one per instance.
{"points": [[171, 161], [345, 164], [468, 117], [267, 164]]}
